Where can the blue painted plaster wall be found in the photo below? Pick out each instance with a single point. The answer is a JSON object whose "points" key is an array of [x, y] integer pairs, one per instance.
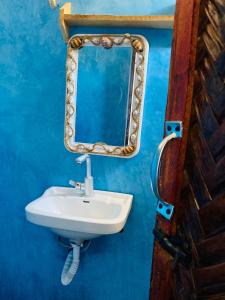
{"points": [[124, 7], [33, 157]]}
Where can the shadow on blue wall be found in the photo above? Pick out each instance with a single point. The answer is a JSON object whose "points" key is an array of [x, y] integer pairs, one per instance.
{"points": [[33, 157]]}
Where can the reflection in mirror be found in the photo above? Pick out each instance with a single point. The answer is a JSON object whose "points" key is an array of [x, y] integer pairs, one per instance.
{"points": [[105, 94]]}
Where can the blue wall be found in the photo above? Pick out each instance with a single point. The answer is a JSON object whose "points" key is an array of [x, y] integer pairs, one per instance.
{"points": [[33, 157], [124, 7]]}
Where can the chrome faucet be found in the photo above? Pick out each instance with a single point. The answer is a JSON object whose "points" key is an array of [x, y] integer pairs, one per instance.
{"points": [[87, 186]]}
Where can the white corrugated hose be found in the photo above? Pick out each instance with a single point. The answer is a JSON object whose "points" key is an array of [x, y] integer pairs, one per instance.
{"points": [[71, 265]]}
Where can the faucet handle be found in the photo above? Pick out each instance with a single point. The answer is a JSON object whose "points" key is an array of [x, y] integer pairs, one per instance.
{"points": [[72, 183], [76, 185]]}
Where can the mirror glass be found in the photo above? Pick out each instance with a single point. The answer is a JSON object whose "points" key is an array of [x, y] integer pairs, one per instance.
{"points": [[103, 90], [105, 86]]}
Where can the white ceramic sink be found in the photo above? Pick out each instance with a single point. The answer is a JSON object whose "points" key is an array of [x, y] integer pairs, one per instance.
{"points": [[78, 217]]}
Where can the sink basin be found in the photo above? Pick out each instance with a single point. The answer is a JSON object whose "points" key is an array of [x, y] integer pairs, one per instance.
{"points": [[78, 217]]}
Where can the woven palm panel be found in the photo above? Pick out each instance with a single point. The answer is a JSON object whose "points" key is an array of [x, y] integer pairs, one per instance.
{"points": [[202, 221]]}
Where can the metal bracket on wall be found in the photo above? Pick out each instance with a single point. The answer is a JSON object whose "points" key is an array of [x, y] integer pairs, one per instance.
{"points": [[165, 209], [174, 130], [174, 127]]}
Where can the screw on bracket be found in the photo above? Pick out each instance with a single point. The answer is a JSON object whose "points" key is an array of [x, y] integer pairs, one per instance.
{"points": [[165, 209], [174, 127]]}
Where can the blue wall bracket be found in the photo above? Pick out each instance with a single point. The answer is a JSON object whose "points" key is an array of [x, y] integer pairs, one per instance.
{"points": [[165, 209], [174, 127]]}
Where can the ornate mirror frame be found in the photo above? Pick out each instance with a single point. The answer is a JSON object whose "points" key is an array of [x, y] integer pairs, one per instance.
{"points": [[137, 87]]}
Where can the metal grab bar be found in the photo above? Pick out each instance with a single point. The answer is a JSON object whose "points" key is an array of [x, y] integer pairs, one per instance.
{"points": [[157, 162], [173, 131]]}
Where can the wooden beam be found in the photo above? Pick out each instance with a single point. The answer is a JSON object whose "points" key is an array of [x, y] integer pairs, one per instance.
{"points": [[64, 11], [120, 21]]}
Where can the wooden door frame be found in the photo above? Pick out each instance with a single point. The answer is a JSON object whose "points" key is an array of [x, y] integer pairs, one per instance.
{"points": [[178, 109]]}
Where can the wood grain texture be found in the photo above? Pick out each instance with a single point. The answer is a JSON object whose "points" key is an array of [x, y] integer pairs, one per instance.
{"points": [[215, 212], [178, 108], [211, 250], [119, 21], [202, 201]]}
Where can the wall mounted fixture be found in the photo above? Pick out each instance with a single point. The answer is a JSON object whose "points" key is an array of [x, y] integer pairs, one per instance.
{"points": [[174, 130], [78, 218], [114, 128]]}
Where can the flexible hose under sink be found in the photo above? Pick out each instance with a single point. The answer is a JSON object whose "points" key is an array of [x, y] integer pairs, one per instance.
{"points": [[71, 265]]}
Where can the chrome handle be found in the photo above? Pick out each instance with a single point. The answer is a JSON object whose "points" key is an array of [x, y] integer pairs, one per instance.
{"points": [[156, 163], [173, 131], [76, 185], [72, 183]]}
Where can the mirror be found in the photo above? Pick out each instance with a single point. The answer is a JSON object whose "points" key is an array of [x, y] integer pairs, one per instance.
{"points": [[107, 99], [105, 93]]}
